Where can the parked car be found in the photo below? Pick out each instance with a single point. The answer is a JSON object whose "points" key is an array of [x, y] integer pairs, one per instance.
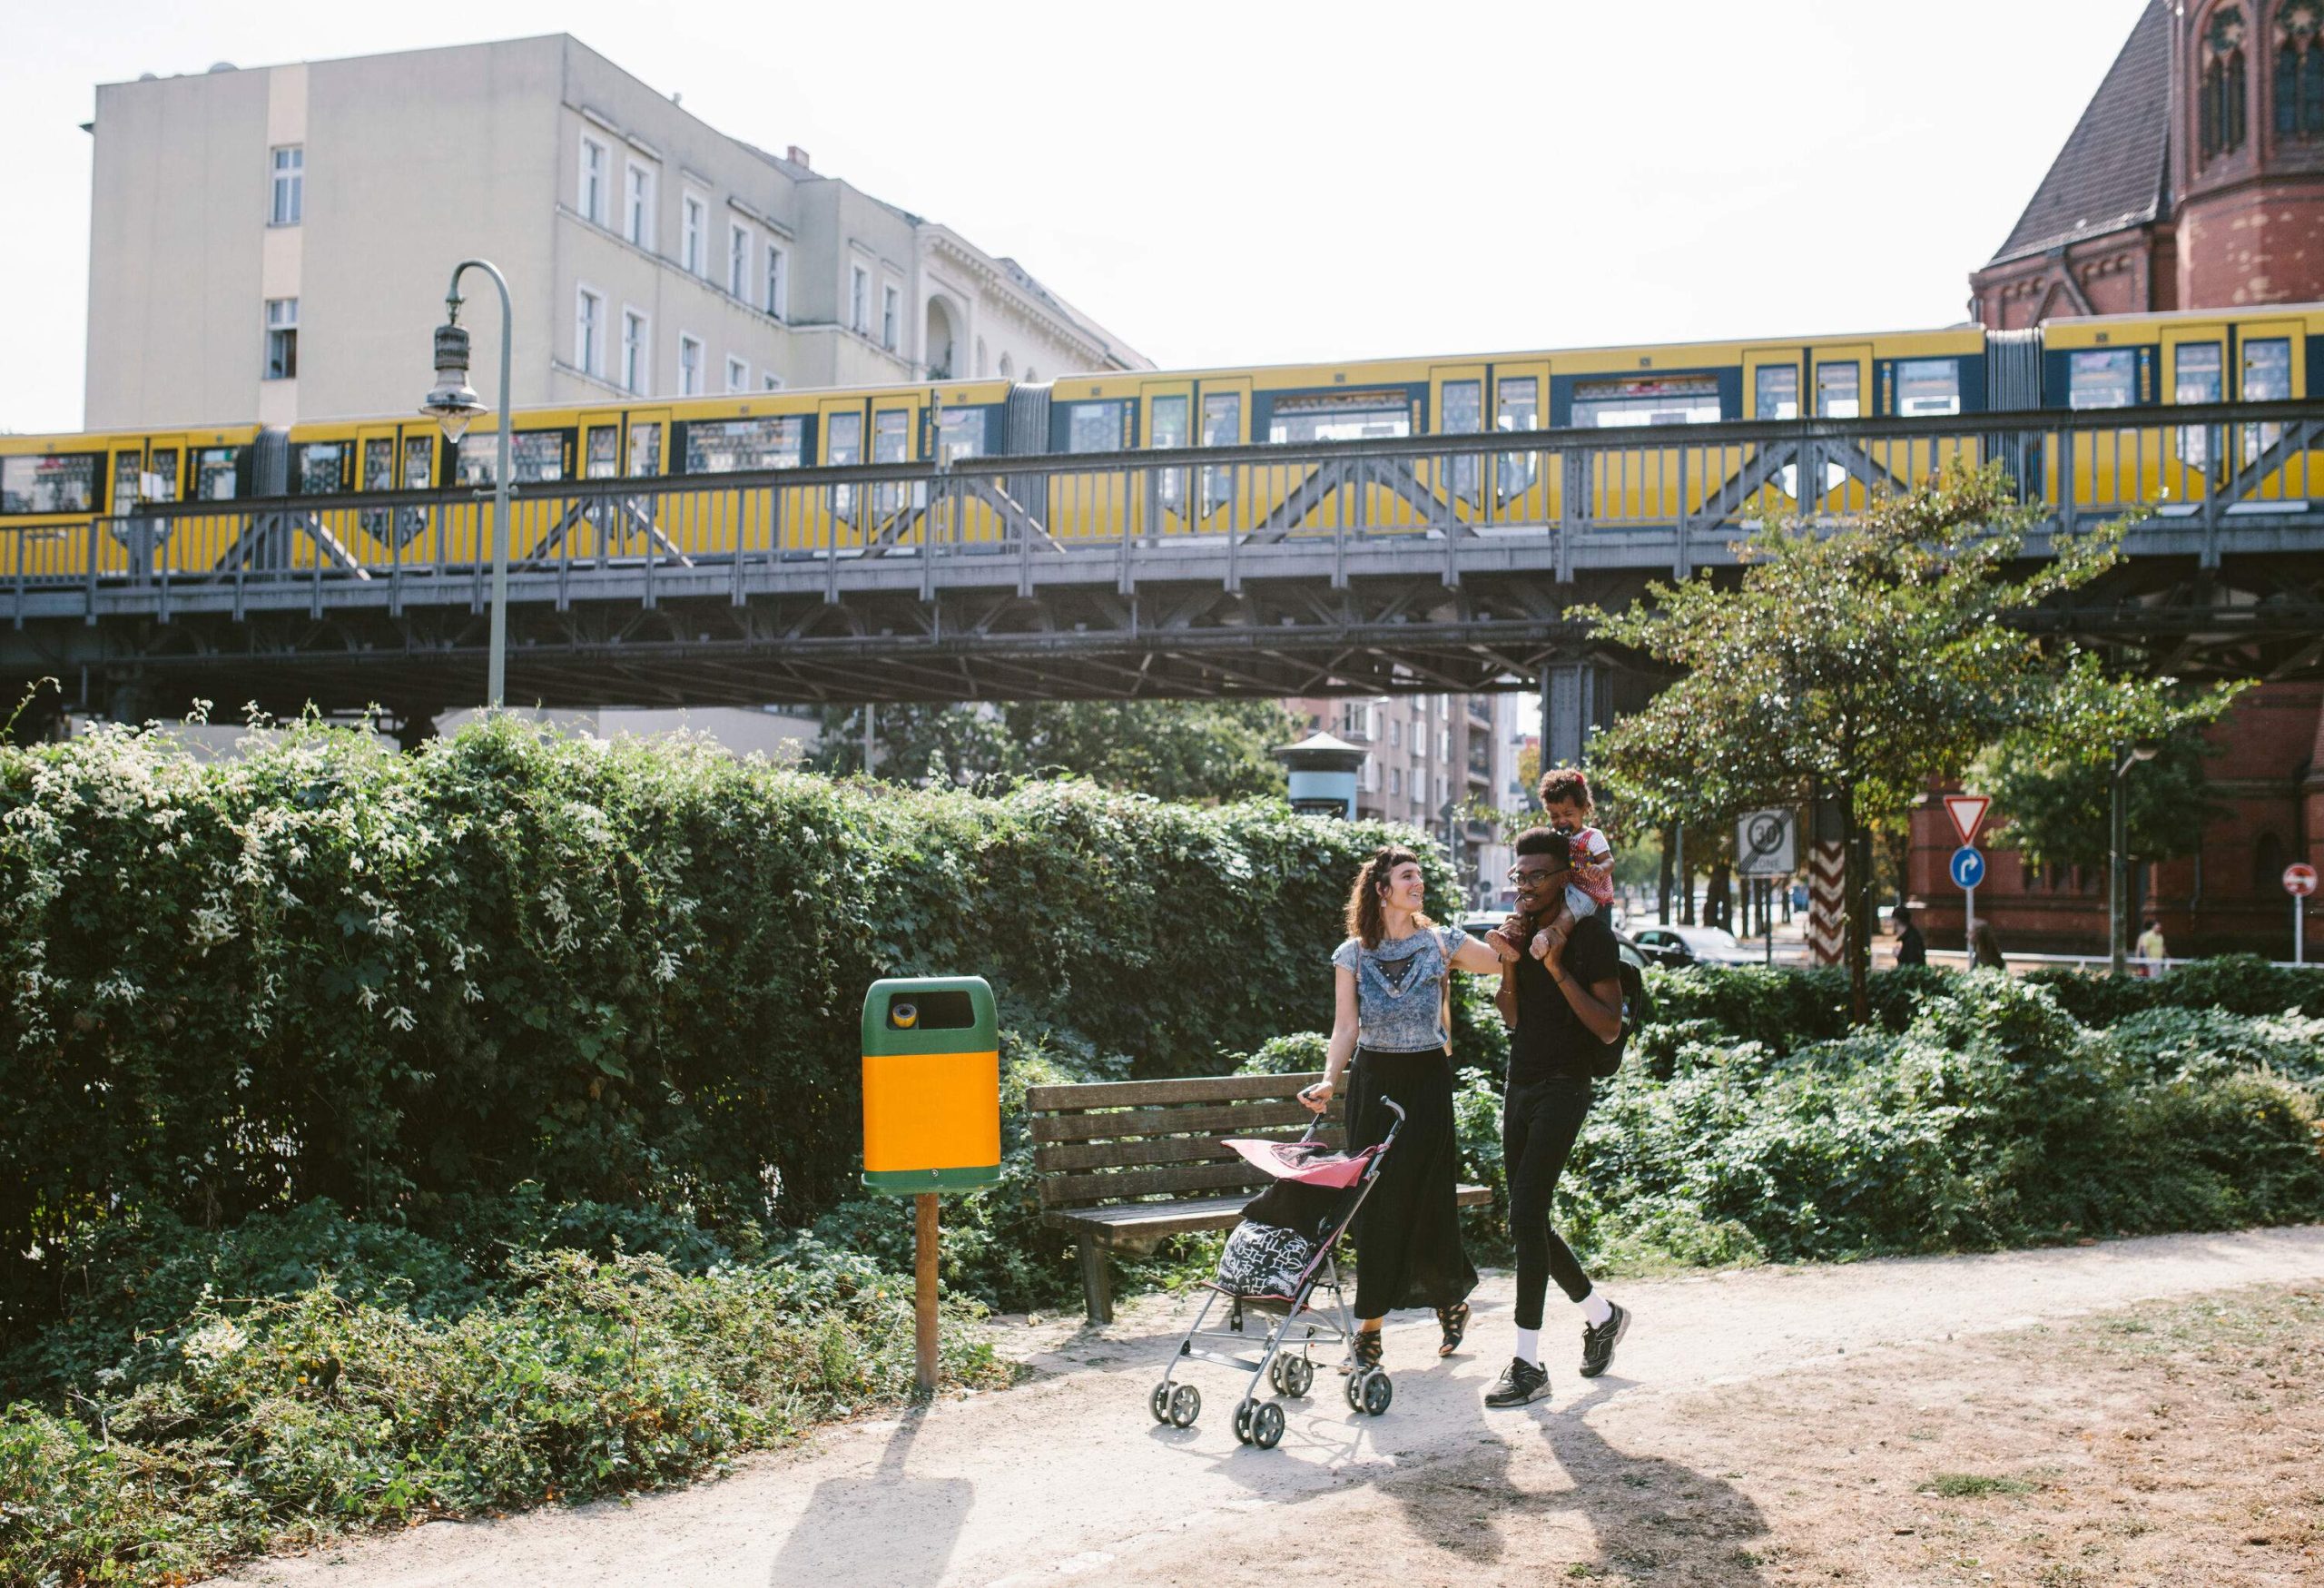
{"points": [[1477, 923], [1693, 945]]}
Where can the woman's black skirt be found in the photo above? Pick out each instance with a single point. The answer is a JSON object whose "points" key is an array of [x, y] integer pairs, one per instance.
{"points": [[1408, 1232]]}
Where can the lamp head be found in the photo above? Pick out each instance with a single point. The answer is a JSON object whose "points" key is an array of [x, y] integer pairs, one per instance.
{"points": [[2146, 750], [453, 403]]}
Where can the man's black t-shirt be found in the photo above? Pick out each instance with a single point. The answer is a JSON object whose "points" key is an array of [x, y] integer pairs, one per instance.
{"points": [[1550, 1038]]}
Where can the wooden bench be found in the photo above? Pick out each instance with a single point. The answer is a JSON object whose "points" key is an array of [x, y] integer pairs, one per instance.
{"points": [[1125, 1163]]}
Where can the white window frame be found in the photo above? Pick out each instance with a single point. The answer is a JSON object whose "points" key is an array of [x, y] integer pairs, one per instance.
{"points": [[858, 301], [738, 375], [637, 204], [589, 190], [891, 315], [589, 331], [689, 366], [287, 189], [636, 351], [778, 281], [694, 234], [287, 325], [738, 260]]}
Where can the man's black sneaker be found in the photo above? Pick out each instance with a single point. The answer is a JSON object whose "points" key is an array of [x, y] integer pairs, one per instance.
{"points": [[1519, 1382], [1598, 1340]]}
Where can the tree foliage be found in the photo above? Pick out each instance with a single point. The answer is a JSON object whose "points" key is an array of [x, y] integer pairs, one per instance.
{"points": [[1170, 749]]}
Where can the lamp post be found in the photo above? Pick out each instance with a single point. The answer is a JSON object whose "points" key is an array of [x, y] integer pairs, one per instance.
{"points": [[454, 406], [2117, 839]]}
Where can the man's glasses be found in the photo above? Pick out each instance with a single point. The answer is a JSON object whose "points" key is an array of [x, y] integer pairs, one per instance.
{"points": [[1540, 873]]}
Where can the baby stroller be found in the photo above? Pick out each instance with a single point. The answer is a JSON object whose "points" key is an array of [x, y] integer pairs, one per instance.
{"points": [[1276, 1262]]}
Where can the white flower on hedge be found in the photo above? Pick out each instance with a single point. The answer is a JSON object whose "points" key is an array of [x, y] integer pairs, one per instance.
{"points": [[118, 989], [666, 967], [213, 1343], [400, 1018]]}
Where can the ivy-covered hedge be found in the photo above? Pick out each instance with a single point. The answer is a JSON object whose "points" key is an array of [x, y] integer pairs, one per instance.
{"points": [[627, 974]]}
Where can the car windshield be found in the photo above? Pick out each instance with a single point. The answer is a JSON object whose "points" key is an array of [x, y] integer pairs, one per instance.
{"points": [[1714, 939]]}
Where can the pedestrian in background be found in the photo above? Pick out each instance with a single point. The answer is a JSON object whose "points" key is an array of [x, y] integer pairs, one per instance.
{"points": [[2152, 950], [1912, 948], [1987, 947]]}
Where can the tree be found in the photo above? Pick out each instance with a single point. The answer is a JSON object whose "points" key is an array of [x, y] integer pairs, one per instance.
{"points": [[1171, 749], [1859, 663]]}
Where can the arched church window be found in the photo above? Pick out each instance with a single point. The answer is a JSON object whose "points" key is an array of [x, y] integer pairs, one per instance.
{"points": [[2299, 69], [2219, 103]]}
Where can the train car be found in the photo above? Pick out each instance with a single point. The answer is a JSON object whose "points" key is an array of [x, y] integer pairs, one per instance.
{"points": [[54, 490]]}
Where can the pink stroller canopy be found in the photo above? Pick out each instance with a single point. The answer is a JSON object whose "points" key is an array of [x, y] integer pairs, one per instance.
{"points": [[1304, 1161]]}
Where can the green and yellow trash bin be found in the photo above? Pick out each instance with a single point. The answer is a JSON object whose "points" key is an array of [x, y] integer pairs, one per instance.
{"points": [[931, 1086]]}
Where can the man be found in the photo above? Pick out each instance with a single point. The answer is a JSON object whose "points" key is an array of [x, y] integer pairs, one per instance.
{"points": [[2152, 950], [1564, 987], [1912, 948]]}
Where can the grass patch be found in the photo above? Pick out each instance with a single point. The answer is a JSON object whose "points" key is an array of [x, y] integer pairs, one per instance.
{"points": [[1970, 1486]]}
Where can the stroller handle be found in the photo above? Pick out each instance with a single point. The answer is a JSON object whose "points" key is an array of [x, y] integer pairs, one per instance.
{"points": [[1390, 1104]]}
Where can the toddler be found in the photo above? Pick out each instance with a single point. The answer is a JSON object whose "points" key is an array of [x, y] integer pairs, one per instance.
{"points": [[1566, 805]]}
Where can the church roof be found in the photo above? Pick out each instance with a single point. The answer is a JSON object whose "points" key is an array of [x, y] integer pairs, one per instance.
{"points": [[2114, 171]]}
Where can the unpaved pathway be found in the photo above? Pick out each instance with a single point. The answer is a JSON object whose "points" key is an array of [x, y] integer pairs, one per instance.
{"points": [[1066, 1479]]}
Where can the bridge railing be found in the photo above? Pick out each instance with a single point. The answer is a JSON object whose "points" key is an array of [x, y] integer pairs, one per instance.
{"points": [[1678, 490]]}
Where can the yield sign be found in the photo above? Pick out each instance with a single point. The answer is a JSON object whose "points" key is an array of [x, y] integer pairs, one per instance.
{"points": [[1968, 813]]}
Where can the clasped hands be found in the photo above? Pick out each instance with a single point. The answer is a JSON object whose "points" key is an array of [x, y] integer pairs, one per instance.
{"points": [[1508, 941]]}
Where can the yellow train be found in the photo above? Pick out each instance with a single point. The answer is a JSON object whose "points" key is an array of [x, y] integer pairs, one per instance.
{"points": [[58, 492]]}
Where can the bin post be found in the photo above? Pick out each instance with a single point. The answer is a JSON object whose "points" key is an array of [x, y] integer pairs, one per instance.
{"points": [[923, 1293]]}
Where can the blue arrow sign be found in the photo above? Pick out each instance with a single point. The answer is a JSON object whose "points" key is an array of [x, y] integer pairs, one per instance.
{"points": [[1968, 867]]}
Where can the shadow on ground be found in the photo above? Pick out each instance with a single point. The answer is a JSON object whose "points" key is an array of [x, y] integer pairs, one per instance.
{"points": [[890, 1528]]}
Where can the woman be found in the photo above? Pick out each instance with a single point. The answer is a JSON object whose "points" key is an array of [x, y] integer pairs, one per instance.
{"points": [[1390, 983]]}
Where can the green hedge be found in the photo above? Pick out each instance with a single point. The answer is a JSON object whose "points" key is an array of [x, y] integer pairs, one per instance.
{"points": [[628, 974]]}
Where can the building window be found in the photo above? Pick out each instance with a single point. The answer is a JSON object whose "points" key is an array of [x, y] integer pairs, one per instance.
{"points": [[2299, 69], [890, 303], [593, 182], [588, 332], [289, 185], [778, 283], [282, 339], [738, 261], [689, 366], [635, 371], [2219, 105], [738, 375], [638, 207], [1007, 367], [770, 381], [858, 301], [692, 218]]}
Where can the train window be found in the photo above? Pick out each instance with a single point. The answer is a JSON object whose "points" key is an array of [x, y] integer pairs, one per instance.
{"points": [[51, 482], [2196, 376], [601, 453], [1838, 391], [890, 443], [1167, 431], [1647, 399], [418, 463], [163, 476], [2103, 378], [1928, 386], [1340, 416], [319, 469], [380, 464], [1519, 409], [1463, 412], [126, 467], [1776, 392], [1221, 426], [1095, 427], [735, 446], [963, 433], [846, 450], [645, 449], [217, 472], [534, 456], [2267, 371]]}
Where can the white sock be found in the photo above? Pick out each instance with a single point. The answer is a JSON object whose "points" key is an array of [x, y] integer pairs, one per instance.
{"points": [[1528, 1347], [1596, 1309]]}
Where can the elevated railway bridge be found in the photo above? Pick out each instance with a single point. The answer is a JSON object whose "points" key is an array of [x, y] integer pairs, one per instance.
{"points": [[1431, 563]]}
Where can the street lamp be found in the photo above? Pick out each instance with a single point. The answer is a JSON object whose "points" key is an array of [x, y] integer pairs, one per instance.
{"points": [[453, 404], [2118, 839]]}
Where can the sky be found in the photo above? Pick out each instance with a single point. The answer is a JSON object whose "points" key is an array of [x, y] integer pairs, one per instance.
{"points": [[1261, 182]]}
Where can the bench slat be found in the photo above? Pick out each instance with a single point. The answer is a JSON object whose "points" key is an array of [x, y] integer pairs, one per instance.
{"points": [[1156, 1150], [1136, 1221], [1228, 1118], [1063, 1190], [1195, 1089]]}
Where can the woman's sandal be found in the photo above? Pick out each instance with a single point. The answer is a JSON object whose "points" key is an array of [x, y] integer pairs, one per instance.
{"points": [[1364, 1351], [1455, 1321]]}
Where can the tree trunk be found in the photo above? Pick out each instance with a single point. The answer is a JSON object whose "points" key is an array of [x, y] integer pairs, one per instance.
{"points": [[1857, 941], [1663, 914], [1718, 903]]}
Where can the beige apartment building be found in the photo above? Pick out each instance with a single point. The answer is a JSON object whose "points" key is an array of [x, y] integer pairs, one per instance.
{"points": [[1425, 752], [272, 244]]}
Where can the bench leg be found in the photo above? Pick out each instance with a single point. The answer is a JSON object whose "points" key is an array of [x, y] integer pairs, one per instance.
{"points": [[1097, 1283]]}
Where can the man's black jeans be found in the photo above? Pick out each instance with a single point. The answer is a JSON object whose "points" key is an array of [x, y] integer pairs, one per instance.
{"points": [[1539, 1122]]}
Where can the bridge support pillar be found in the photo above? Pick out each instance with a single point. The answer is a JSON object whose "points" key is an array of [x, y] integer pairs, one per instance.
{"points": [[126, 701], [1569, 709], [415, 725]]}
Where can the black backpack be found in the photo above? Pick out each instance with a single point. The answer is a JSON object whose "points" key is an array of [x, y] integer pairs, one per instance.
{"points": [[1637, 1010]]}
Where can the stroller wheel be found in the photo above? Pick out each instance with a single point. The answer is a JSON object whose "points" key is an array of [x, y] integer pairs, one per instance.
{"points": [[1298, 1375], [1159, 1403], [1377, 1391], [1242, 1410], [1353, 1388], [1185, 1406], [1266, 1425]]}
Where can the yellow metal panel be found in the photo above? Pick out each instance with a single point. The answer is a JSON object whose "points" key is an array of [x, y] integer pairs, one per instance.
{"points": [[930, 1111]]}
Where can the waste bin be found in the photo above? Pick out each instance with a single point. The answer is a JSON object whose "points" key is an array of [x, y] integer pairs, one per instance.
{"points": [[931, 1085]]}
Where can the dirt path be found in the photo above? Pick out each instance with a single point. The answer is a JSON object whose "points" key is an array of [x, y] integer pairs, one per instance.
{"points": [[1734, 1443]]}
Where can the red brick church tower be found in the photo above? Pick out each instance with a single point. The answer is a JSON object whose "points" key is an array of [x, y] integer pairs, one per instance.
{"points": [[2194, 180]]}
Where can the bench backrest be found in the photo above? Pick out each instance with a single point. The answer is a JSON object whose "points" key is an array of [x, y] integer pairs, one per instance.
{"points": [[1113, 1140]]}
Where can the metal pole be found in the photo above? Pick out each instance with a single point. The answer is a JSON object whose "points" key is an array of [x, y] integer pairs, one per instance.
{"points": [[497, 665], [1969, 927], [923, 1293], [2114, 863], [2298, 930]]}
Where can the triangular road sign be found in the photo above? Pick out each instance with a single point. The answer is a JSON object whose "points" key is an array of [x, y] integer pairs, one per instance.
{"points": [[1968, 813]]}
